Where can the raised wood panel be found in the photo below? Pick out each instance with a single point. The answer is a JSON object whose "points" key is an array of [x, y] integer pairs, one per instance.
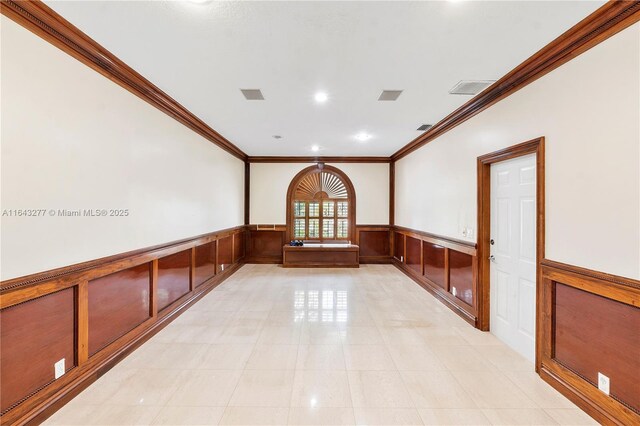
{"points": [[238, 246], [117, 304], [35, 335], [461, 276], [308, 256], [225, 252], [205, 263], [174, 277], [433, 271], [595, 334], [266, 246], [321, 159], [111, 283], [434, 263], [413, 256], [398, 246], [374, 243]]}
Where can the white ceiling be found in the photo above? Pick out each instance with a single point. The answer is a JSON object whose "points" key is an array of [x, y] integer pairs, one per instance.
{"points": [[201, 54]]}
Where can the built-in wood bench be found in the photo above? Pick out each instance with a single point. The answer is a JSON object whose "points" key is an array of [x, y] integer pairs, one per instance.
{"points": [[321, 256]]}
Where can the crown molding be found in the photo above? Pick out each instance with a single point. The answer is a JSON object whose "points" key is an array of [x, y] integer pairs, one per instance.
{"points": [[608, 20], [311, 159], [43, 21]]}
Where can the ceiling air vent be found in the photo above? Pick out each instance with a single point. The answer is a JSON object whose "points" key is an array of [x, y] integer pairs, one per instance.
{"points": [[252, 94], [425, 127], [389, 95], [470, 87]]}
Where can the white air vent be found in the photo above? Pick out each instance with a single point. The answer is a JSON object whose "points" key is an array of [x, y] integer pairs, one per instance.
{"points": [[252, 94], [390, 95], [470, 87]]}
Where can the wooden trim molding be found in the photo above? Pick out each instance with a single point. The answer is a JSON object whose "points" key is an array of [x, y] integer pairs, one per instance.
{"points": [[311, 159], [453, 243], [611, 18], [130, 258], [136, 317], [43, 21], [535, 146], [589, 324], [247, 192], [576, 270], [392, 193]]}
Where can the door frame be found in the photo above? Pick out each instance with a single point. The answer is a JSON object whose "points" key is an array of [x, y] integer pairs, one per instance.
{"points": [[534, 146]]}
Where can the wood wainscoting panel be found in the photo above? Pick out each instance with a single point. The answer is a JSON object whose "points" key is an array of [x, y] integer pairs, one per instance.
{"points": [[106, 306], [238, 246], [174, 277], [413, 254], [265, 246], [225, 252], [437, 263], [594, 334], [374, 242], [35, 335], [118, 303], [205, 263], [434, 264], [461, 276], [398, 246], [590, 322]]}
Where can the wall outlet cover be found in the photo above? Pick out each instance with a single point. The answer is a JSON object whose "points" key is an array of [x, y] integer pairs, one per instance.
{"points": [[603, 383], [453, 291], [59, 369]]}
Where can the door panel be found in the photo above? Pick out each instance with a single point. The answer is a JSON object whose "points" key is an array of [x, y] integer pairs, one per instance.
{"points": [[513, 265]]}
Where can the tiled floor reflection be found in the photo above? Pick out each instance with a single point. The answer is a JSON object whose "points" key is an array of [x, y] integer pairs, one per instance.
{"points": [[320, 346]]}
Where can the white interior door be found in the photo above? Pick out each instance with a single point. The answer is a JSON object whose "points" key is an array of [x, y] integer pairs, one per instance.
{"points": [[513, 253]]}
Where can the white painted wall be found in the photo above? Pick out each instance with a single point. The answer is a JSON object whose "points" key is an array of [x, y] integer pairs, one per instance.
{"points": [[589, 112], [72, 139], [270, 181]]}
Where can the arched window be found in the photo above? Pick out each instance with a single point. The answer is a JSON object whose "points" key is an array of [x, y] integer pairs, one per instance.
{"points": [[321, 204]]}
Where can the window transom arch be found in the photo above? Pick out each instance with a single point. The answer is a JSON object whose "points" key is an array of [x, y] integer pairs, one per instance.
{"points": [[321, 204]]}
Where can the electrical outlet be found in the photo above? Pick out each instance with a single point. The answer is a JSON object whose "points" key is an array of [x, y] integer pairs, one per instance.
{"points": [[464, 232], [454, 291], [401, 258], [58, 368], [603, 383], [469, 233], [222, 267]]}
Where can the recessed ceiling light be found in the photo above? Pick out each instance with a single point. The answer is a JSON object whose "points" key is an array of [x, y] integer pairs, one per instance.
{"points": [[315, 148], [321, 97], [363, 137]]}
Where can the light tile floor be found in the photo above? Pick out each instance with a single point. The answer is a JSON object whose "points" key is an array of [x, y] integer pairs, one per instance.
{"points": [[320, 346]]}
